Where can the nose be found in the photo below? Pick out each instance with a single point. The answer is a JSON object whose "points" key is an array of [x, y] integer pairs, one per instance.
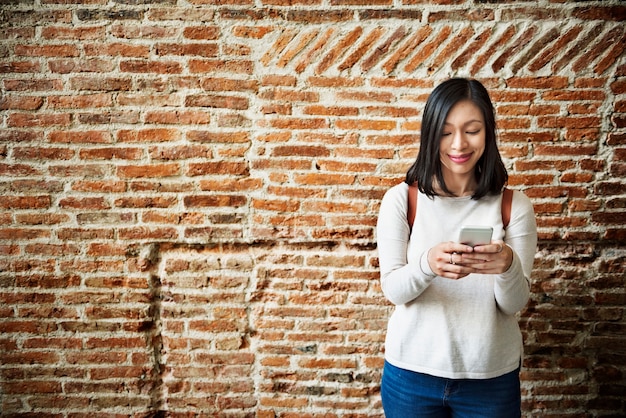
{"points": [[458, 141]]}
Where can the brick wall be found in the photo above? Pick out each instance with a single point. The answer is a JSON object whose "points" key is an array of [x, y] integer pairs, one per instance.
{"points": [[189, 190]]}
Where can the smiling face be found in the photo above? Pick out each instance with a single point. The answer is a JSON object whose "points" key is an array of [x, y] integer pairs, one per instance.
{"points": [[462, 145]]}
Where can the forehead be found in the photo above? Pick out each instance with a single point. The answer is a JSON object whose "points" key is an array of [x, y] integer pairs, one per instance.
{"points": [[465, 111]]}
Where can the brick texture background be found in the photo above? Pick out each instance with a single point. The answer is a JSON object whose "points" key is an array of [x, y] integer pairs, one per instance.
{"points": [[189, 190]]}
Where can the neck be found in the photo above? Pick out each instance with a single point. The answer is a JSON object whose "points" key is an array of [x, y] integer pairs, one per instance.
{"points": [[460, 186]]}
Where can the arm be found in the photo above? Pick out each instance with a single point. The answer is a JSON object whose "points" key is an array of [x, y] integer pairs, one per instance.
{"points": [[512, 288], [401, 281], [510, 261]]}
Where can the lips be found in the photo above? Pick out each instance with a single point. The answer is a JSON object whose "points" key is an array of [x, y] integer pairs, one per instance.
{"points": [[460, 159]]}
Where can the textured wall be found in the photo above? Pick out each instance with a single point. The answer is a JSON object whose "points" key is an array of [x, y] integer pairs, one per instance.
{"points": [[188, 195]]}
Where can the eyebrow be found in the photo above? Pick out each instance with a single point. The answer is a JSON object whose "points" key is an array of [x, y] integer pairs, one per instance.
{"points": [[468, 122]]}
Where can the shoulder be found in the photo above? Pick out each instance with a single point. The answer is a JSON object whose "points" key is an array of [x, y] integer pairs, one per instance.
{"points": [[523, 223], [395, 199], [521, 202], [399, 191], [522, 211]]}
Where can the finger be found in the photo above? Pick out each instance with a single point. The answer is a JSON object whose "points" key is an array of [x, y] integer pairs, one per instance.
{"points": [[493, 265], [481, 267], [467, 259], [453, 276], [448, 266], [457, 259], [458, 267], [453, 247], [494, 247]]}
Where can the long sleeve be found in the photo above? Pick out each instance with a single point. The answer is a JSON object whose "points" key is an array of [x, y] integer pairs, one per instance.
{"points": [[512, 288], [401, 280]]}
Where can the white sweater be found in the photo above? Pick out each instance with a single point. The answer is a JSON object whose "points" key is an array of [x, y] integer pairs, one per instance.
{"points": [[454, 329]]}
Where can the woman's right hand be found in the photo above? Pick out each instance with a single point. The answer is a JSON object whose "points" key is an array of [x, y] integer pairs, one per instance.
{"points": [[446, 260]]}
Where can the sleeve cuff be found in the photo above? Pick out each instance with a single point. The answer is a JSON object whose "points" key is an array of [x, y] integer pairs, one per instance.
{"points": [[424, 266], [515, 267]]}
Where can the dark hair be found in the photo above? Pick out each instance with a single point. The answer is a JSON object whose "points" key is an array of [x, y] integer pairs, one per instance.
{"points": [[490, 171]]}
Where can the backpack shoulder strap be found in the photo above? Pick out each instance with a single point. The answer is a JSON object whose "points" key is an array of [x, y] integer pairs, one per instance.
{"points": [[412, 206], [507, 199]]}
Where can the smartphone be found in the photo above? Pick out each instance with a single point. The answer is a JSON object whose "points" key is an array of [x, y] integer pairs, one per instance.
{"points": [[475, 235]]}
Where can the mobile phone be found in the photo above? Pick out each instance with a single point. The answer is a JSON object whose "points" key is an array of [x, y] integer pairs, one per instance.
{"points": [[475, 235]]}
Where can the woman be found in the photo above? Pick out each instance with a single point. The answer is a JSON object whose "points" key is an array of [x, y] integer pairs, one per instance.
{"points": [[453, 345]]}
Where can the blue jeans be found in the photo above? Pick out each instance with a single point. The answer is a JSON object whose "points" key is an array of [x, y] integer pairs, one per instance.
{"points": [[408, 394]]}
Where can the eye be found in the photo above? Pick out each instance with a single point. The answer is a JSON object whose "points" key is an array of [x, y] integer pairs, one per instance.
{"points": [[473, 132]]}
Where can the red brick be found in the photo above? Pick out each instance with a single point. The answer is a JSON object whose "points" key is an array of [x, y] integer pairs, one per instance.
{"points": [[91, 203], [72, 33], [25, 120], [528, 179], [157, 67], [380, 125], [84, 234], [609, 12], [80, 102], [36, 153], [217, 101], [96, 137], [540, 83], [149, 135], [215, 66], [111, 153], [151, 171], [146, 233], [178, 117], [99, 186], [20, 103], [20, 67], [145, 202], [31, 387], [47, 51], [214, 200], [107, 249], [29, 357], [23, 233], [564, 150], [218, 167], [25, 202], [52, 249], [187, 49], [289, 95]]}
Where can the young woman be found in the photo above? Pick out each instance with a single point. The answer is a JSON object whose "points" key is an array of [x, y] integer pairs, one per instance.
{"points": [[453, 346]]}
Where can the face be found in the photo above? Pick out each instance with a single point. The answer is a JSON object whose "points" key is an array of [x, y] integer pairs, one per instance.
{"points": [[463, 141]]}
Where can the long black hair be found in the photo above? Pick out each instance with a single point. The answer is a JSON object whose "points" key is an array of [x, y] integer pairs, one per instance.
{"points": [[490, 172]]}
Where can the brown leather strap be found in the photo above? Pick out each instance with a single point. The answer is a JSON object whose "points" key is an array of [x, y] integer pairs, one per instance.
{"points": [[412, 208], [507, 199]]}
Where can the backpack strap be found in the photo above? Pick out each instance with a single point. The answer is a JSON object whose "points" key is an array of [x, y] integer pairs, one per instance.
{"points": [[507, 201], [412, 207]]}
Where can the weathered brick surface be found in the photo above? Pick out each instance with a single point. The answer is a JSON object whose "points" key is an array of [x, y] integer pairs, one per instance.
{"points": [[189, 192]]}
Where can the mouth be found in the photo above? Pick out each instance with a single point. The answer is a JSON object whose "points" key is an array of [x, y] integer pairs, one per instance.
{"points": [[460, 159]]}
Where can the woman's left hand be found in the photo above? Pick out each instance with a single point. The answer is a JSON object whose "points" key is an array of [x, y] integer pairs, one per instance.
{"points": [[493, 258]]}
